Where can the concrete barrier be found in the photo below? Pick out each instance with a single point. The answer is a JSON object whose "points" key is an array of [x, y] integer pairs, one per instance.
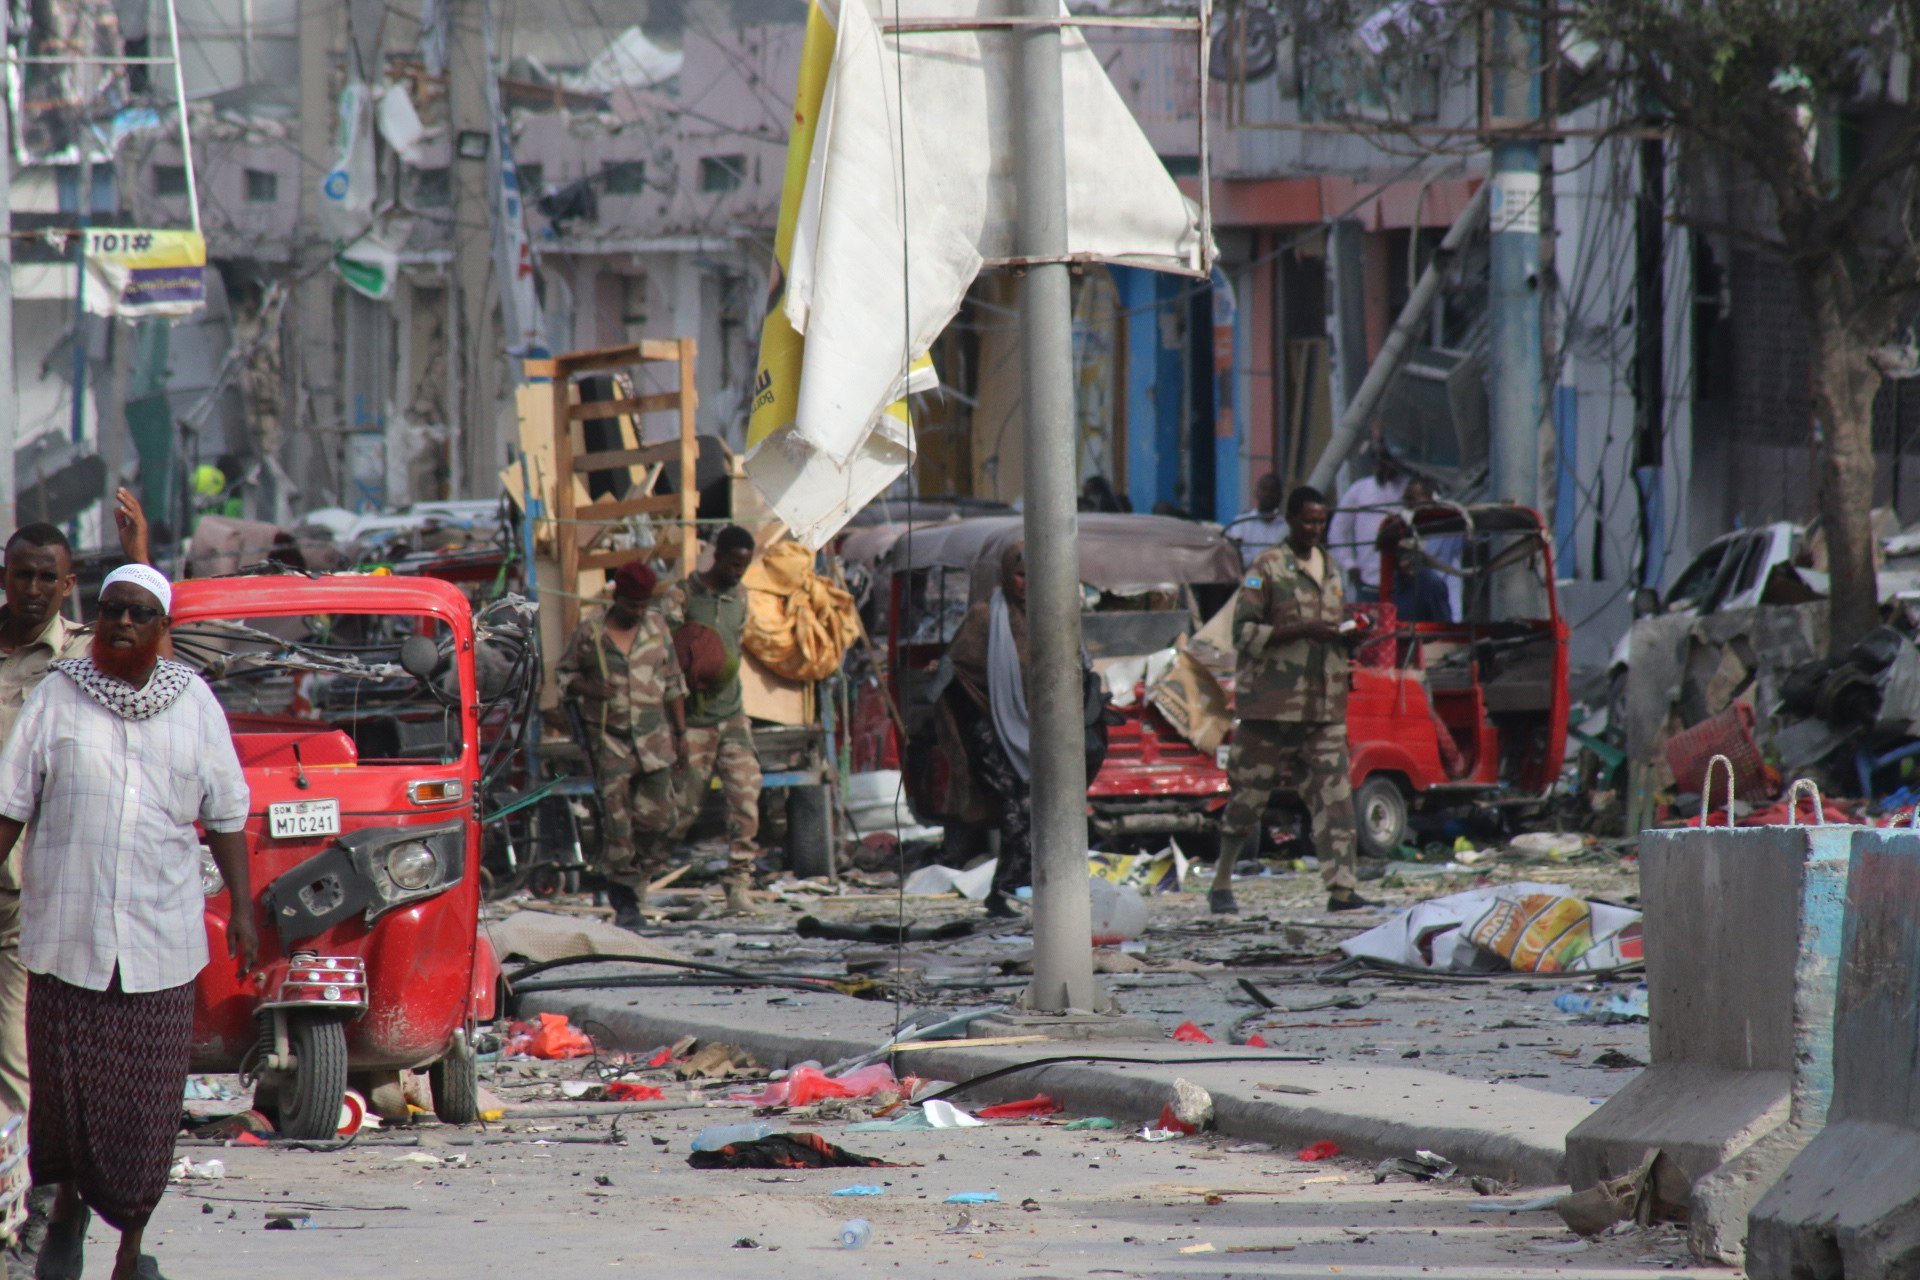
{"points": [[1742, 942], [1848, 1205]]}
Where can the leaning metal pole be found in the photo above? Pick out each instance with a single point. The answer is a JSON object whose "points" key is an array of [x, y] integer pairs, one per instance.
{"points": [[1062, 925]]}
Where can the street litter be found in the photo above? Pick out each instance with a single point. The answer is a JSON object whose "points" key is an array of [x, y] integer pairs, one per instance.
{"points": [[1151, 1134], [933, 1114], [974, 1197], [1091, 1122], [186, 1169], [785, 1151], [973, 884], [1197, 1248], [427, 1157], [854, 1233], [633, 1091], [1614, 1060], [1606, 1010], [1162, 872], [1118, 914], [1526, 927], [553, 1038], [1261, 1248], [967, 1225], [808, 1084], [860, 1190], [1026, 1109], [1422, 1166], [1321, 1150], [289, 1221], [1554, 846], [1656, 1191], [885, 934], [1190, 1111], [716, 1061], [1188, 1033]]}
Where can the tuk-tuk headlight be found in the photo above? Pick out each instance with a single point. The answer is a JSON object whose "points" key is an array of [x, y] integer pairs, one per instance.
{"points": [[411, 865], [211, 881]]}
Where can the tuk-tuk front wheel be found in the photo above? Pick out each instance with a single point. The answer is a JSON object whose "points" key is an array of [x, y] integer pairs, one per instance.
{"points": [[310, 1100], [1380, 814], [455, 1081]]}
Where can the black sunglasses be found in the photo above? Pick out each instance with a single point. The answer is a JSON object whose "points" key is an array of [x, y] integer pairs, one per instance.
{"points": [[141, 614]]}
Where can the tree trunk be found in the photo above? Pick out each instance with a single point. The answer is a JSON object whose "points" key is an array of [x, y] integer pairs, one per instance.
{"points": [[1844, 382]]}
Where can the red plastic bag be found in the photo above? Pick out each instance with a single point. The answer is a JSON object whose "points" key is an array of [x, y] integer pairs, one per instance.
{"points": [[1170, 1121], [1257, 1041], [1038, 1105], [1321, 1150], [633, 1091], [807, 1085], [1187, 1033], [557, 1038], [661, 1056]]}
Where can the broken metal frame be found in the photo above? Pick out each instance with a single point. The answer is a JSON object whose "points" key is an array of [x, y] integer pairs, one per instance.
{"points": [[179, 98], [1199, 24], [573, 464]]}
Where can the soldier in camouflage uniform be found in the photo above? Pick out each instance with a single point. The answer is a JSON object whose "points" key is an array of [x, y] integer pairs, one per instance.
{"points": [[719, 737], [1290, 691], [622, 667]]}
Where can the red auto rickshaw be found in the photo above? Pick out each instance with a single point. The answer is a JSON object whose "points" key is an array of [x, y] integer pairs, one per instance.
{"points": [[355, 711]]}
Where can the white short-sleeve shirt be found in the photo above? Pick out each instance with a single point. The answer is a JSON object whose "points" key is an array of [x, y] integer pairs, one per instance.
{"points": [[111, 871]]}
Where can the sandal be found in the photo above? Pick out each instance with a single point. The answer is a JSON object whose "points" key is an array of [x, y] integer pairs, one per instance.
{"points": [[62, 1253]]}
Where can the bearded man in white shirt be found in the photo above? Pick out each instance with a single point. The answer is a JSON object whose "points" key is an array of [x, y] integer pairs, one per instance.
{"points": [[113, 761]]}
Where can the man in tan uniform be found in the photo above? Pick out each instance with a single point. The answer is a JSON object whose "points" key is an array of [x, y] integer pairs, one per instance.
{"points": [[719, 735], [1290, 696], [622, 667]]}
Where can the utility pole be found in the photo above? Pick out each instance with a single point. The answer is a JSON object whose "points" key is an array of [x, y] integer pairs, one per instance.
{"points": [[474, 296], [315, 399], [1062, 913], [1513, 438], [9, 387]]}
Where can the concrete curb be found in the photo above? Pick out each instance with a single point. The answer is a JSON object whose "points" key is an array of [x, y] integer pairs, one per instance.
{"points": [[1500, 1130]]}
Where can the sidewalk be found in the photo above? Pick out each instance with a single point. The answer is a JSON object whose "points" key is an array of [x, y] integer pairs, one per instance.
{"points": [[1504, 1130]]}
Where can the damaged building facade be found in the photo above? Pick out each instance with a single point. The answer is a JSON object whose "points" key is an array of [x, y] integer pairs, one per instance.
{"points": [[371, 366]]}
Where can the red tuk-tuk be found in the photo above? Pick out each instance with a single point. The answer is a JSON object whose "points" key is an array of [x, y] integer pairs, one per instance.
{"points": [[1440, 715], [1467, 711], [355, 712]]}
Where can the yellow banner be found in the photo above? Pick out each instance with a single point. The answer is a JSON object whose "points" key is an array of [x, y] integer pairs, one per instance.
{"points": [[776, 388], [136, 272]]}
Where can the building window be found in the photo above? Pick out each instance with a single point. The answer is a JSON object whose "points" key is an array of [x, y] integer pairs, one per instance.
{"points": [[432, 188], [67, 189], [722, 173], [169, 180], [533, 180], [263, 187], [624, 177], [633, 305]]}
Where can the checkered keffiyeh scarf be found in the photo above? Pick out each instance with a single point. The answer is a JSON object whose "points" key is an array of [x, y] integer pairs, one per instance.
{"points": [[162, 690]]}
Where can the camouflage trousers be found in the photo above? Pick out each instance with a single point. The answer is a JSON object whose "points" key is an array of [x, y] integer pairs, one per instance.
{"points": [[637, 814], [1315, 755], [724, 750]]}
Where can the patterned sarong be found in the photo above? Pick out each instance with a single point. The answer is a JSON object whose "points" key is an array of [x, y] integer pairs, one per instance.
{"points": [[108, 1071]]}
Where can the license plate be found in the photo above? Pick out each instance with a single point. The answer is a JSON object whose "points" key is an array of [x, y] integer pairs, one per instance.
{"points": [[299, 819]]}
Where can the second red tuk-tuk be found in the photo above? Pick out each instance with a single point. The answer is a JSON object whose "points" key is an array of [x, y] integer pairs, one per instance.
{"points": [[356, 715]]}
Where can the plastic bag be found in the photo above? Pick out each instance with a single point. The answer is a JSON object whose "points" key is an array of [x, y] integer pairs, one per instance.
{"points": [[633, 1091], [1026, 1109], [555, 1037], [1188, 1033], [805, 1086]]}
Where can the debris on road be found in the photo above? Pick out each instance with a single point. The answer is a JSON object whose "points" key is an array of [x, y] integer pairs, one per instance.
{"points": [[1188, 1033], [785, 1151], [1422, 1166], [1657, 1191], [1025, 1109], [974, 1197], [1529, 927], [1321, 1150]]}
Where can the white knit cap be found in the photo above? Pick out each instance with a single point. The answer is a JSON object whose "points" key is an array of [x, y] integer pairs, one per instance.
{"points": [[147, 578]]}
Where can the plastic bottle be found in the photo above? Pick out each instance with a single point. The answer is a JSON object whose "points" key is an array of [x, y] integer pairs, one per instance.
{"points": [[1574, 1002], [714, 1137], [855, 1232]]}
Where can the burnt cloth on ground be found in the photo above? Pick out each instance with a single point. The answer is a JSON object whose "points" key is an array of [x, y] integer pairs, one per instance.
{"points": [[785, 1151]]}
